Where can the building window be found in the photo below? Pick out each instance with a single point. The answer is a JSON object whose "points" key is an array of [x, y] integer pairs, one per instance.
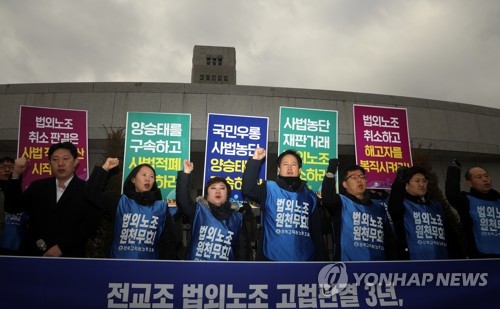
{"points": [[226, 79], [214, 60], [207, 77], [219, 78], [213, 78], [202, 77]]}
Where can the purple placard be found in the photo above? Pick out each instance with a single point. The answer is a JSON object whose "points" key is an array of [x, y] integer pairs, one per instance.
{"points": [[39, 128], [382, 143]]}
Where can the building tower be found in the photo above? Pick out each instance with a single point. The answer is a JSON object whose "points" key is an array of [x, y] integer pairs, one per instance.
{"points": [[214, 65]]}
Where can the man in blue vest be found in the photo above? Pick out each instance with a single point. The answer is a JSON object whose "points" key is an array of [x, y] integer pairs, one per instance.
{"points": [[361, 227], [422, 229], [479, 210], [290, 217], [12, 225]]}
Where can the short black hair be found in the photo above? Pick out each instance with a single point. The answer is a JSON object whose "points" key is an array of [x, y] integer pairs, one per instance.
{"points": [[129, 186], [290, 152], [65, 145], [414, 170], [7, 159], [351, 168], [215, 180]]}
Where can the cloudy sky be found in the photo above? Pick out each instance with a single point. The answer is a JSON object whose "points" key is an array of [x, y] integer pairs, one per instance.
{"points": [[436, 49]]}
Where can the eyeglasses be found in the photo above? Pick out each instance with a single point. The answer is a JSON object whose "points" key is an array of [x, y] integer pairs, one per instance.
{"points": [[6, 167], [357, 177]]}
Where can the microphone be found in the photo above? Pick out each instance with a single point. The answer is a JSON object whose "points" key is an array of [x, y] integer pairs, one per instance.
{"points": [[41, 245]]}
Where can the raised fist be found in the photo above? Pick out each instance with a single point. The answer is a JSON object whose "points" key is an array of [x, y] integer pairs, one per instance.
{"points": [[401, 173], [188, 166], [20, 165], [333, 166], [259, 154], [456, 163], [110, 163]]}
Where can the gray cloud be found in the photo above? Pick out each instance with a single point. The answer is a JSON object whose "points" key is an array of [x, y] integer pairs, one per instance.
{"points": [[444, 50]]}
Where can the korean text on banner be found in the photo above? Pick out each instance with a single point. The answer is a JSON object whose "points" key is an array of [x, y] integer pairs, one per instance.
{"points": [[41, 127], [161, 140], [382, 143], [231, 140], [313, 133]]}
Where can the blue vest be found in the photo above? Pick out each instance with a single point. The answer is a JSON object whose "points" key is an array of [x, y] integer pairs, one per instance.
{"points": [[424, 226], [286, 224], [485, 224], [212, 239], [385, 203], [13, 231], [138, 229], [362, 231]]}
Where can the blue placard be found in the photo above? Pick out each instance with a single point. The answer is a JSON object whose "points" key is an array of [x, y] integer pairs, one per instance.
{"points": [[231, 140], [106, 283]]}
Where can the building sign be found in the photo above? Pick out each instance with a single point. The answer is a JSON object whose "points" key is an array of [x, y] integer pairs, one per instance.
{"points": [[382, 143], [313, 133], [41, 127], [161, 140], [231, 140]]}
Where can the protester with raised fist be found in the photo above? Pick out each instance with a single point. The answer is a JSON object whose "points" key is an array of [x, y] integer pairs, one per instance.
{"points": [[479, 209], [290, 216], [12, 225], [422, 229], [218, 232], [361, 228], [143, 227]]}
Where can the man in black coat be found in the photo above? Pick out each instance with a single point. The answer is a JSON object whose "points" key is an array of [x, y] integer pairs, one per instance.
{"points": [[60, 218]]}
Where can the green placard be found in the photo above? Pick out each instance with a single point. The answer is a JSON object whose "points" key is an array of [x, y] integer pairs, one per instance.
{"points": [[312, 133], [161, 140]]}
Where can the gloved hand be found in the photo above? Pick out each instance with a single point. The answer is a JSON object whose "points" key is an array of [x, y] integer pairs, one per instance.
{"points": [[401, 173], [456, 163], [333, 166]]}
